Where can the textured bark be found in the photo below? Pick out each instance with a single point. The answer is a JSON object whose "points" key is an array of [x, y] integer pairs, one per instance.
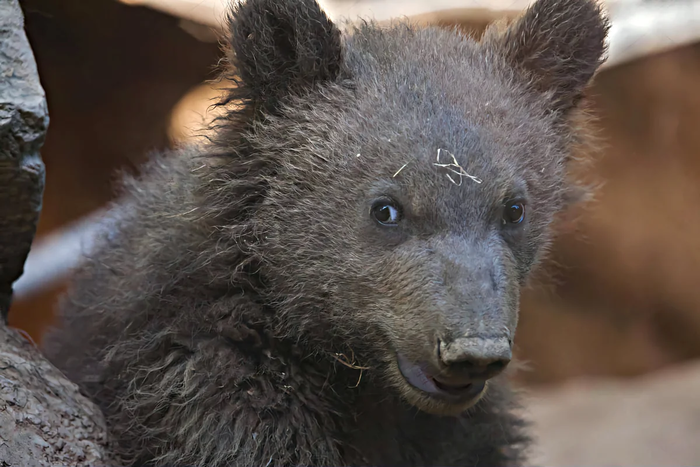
{"points": [[23, 122], [44, 420]]}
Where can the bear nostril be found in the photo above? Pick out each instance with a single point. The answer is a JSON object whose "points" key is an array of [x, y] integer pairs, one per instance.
{"points": [[474, 358], [496, 366]]}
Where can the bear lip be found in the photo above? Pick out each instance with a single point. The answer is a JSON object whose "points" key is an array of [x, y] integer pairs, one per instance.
{"points": [[419, 377]]}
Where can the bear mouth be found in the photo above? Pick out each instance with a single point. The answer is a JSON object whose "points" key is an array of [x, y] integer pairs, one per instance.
{"points": [[419, 377]]}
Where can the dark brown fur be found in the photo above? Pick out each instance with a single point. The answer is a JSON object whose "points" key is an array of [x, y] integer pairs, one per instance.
{"points": [[211, 322]]}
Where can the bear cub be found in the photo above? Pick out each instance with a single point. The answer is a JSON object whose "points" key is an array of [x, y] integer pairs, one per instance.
{"points": [[333, 279]]}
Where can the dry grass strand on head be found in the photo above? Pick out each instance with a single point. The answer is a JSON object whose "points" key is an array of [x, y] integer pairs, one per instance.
{"points": [[399, 171], [455, 168]]}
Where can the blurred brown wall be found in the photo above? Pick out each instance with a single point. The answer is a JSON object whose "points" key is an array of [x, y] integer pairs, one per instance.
{"points": [[627, 299], [112, 73]]}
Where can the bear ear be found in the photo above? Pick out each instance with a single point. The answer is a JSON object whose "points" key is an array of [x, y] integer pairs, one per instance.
{"points": [[559, 44], [278, 47]]}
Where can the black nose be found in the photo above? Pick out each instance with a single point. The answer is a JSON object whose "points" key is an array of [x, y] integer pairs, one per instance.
{"points": [[473, 358]]}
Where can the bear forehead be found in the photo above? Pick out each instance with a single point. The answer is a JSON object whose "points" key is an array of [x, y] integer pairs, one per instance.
{"points": [[432, 66], [433, 88], [432, 118]]}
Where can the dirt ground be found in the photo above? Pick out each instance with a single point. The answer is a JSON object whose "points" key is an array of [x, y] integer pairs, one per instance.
{"points": [[652, 420]]}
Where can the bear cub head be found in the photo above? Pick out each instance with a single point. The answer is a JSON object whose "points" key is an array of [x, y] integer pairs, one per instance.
{"points": [[408, 178]]}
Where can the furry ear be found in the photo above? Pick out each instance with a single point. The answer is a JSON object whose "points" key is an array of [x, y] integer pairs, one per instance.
{"points": [[559, 44], [279, 47]]}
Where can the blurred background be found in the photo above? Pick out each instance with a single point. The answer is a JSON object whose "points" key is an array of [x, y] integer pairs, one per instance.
{"points": [[610, 332]]}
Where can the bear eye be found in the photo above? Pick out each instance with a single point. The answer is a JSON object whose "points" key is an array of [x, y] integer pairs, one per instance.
{"points": [[387, 213], [514, 212]]}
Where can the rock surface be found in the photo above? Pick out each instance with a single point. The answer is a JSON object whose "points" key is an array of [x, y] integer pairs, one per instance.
{"points": [[44, 420], [23, 122]]}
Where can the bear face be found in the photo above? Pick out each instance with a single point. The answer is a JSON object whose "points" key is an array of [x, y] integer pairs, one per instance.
{"points": [[407, 180]]}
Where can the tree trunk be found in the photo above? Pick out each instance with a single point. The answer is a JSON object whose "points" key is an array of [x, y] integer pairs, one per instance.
{"points": [[44, 420]]}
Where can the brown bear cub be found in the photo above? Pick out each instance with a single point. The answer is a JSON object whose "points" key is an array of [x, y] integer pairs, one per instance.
{"points": [[334, 278]]}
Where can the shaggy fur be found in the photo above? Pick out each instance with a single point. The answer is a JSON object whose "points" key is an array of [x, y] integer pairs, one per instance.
{"points": [[246, 309]]}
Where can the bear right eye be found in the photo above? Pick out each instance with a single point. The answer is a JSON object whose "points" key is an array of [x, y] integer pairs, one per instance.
{"points": [[386, 213]]}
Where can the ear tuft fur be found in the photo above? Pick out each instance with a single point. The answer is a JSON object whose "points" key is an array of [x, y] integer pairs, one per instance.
{"points": [[278, 47], [559, 44]]}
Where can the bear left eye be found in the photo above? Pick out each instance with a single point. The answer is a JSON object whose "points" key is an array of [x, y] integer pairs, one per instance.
{"points": [[386, 213], [514, 212]]}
